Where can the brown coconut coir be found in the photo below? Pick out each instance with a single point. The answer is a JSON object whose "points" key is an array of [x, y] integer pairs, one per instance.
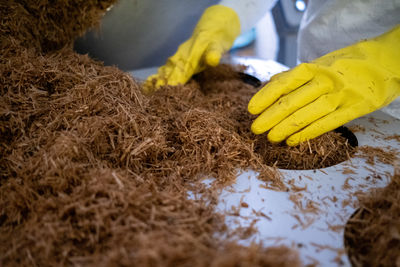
{"points": [[95, 173], [90, 171], [372, 235], [48, 25]]}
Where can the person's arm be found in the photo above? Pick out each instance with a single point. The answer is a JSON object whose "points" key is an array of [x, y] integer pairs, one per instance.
{"points": [[317, 97], [213, 35]]}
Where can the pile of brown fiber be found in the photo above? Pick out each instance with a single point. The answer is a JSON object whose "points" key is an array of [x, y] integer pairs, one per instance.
{"points": [[372, 235], [94, 173]]}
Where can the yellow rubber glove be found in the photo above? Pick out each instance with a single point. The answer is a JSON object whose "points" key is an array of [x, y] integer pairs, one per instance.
{"points": [[213, 35], [317, 97]]}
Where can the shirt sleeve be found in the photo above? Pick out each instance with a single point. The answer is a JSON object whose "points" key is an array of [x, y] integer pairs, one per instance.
{"points": [[249, 11], [329, 25]]}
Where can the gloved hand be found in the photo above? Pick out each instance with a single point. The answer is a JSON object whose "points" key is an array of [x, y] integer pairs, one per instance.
{"points": [[317, 97], [213, 35]]}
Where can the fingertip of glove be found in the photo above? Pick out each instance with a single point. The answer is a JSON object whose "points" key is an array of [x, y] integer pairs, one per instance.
{"points": [[152, 84], [256, 128], [293, 141], [252, 108], [275, 137], [147, 89], [213, 58]]}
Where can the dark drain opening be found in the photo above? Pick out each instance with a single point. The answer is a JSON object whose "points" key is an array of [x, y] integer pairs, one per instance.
{"points": [[249, 79], [349, 135]]}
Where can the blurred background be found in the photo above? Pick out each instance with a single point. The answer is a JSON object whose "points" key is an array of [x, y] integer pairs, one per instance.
{"points": [[141, 34], [275, 36]]}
